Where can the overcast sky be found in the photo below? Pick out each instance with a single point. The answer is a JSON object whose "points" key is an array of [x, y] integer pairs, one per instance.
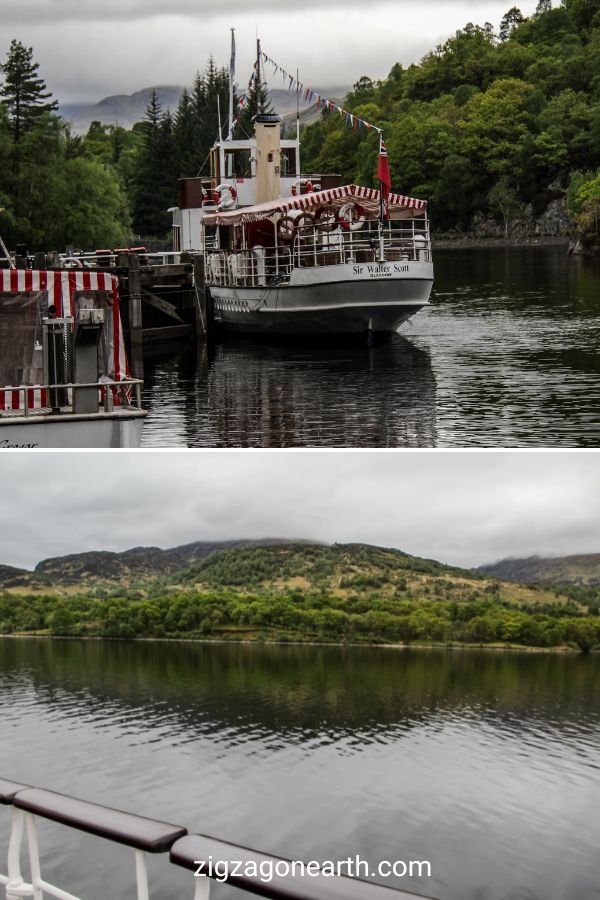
{"points": [[460, 508], [89, 49]]}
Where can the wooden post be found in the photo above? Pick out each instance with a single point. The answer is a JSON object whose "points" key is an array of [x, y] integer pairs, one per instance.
{"points": [[204, 324], [135, 315]]}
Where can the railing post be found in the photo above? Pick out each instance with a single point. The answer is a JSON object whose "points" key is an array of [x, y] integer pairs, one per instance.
{"points": [[15, 879], [141, 876], [202, 889], [34, 857]]}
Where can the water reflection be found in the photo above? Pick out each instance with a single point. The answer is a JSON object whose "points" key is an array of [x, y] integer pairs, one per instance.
{"points": [[507, 355], [250, 394], [485, 763]]}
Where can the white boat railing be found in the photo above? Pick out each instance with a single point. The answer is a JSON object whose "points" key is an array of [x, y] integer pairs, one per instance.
{"points": [[110, 259], [26, 400], [314, 247], [142, 835]]}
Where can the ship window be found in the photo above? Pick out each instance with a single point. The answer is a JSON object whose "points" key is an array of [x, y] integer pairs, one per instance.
{"points": [[288, 162], [237, 164]]}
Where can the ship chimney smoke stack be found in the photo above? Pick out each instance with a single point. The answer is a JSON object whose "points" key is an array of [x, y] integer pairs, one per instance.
{"points": [[268, 152]]}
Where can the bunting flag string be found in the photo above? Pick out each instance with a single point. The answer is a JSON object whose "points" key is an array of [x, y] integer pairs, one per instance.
{"points": [[352, 120]]}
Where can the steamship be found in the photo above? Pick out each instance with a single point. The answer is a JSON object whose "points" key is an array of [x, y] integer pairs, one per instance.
{"points": [[286, 253]]}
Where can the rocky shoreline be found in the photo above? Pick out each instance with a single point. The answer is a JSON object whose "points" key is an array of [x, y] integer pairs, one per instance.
{"points": [[469, 242]]}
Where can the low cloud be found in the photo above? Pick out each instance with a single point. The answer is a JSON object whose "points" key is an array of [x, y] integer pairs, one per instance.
{"points": [[460, 508]]}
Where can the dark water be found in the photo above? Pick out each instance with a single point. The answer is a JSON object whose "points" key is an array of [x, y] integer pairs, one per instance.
{"points": [[508, 355], [485, 764]]}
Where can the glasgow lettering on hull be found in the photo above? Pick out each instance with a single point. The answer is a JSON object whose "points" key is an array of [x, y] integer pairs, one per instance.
{"points": [[380, 270]]}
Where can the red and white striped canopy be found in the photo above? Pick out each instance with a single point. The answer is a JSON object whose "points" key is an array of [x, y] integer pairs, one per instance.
{"points": [[61, 287], [399, 207]]}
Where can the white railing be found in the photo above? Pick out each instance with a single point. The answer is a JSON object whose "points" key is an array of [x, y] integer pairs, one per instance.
{"points": [[143, 835], [36, 398], [109, 259], [312, 247]]}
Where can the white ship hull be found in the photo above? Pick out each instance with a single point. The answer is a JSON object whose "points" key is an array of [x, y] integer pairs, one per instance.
{"points": [[122, 429], [352, 298]]}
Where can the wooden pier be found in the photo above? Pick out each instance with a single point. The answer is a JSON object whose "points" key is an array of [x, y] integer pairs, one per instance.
{"points": [[163, 295]]}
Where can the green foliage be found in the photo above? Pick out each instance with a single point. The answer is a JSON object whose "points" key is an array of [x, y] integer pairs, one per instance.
{"points": [[23, 92], [56, 190], [520, 109], [583, 203]]}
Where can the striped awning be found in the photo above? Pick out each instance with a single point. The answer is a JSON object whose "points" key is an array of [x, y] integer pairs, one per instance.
{"points": [[61, 288], [400, 207]]}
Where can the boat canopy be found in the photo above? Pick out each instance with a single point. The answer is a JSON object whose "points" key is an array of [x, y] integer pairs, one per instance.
{"points": [[26, 295], [399, 207]]}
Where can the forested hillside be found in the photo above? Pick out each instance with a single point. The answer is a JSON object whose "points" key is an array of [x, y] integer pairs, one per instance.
{"points": [[306, 592], [488, 123], [500, 132]]}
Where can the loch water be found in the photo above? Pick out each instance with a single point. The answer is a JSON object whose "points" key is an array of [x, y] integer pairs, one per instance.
{"points": [[507, 355], [486, 764]]}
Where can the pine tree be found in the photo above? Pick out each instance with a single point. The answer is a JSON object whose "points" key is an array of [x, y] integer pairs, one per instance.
{"points": [[513, 18], [23, 92], [258, 100], [156, 176]]}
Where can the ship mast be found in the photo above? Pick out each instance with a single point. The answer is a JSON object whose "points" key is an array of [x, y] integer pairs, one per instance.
{"points": [[259, 107]]}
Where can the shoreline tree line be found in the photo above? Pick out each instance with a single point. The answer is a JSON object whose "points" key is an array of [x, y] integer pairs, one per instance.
{"points": [[487, 124]]}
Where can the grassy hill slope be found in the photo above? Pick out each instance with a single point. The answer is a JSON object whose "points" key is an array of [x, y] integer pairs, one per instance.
{"points": [[284, 591]]}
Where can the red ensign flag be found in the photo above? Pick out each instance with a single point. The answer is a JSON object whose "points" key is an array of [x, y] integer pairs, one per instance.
{"points": [[383, 174]]}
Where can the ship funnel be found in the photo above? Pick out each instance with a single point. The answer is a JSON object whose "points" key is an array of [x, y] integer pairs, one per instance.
{"points": [[268, 151]]}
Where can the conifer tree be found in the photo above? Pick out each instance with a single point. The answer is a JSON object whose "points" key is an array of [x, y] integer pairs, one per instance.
{"points": [[23, 92], [258, 100], [513, 18], [155, 182]]}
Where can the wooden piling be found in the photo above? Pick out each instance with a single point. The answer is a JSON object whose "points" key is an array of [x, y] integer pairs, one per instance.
{"points": [[135, 314]]}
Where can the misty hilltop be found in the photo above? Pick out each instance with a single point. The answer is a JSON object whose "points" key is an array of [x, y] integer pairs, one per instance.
{"points": [[580, 569], [127, 109]]}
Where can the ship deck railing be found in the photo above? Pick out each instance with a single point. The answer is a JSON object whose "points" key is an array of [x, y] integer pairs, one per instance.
{"points": [[31, 400], [315, 247], [143, 835]]}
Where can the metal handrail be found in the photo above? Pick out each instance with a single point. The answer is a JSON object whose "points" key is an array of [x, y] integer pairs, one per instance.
{"points": [[313, 248], [121, 388], [144, 835]]}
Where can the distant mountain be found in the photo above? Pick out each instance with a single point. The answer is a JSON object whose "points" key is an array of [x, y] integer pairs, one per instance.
{"points": [[120, 109], [105, 567], [582, 569], [127, 109]]}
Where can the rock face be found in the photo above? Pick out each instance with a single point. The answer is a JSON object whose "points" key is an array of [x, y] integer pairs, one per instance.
{"points": [[552, 222]]}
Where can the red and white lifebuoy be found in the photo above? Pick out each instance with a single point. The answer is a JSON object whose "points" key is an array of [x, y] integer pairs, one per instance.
{"points": [[225, 196], [300, 183], [326, 218], [351, 217]]}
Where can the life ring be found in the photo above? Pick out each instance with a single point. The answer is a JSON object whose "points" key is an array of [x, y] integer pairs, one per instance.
{"points": [[304, 221], [297, 186], [351, 217], [225, 196], [286, 228], [326, 218]]}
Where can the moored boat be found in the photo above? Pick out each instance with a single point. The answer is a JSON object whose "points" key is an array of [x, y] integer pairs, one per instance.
{"points": [[320, 263], [64, 375], [291, 254]]}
